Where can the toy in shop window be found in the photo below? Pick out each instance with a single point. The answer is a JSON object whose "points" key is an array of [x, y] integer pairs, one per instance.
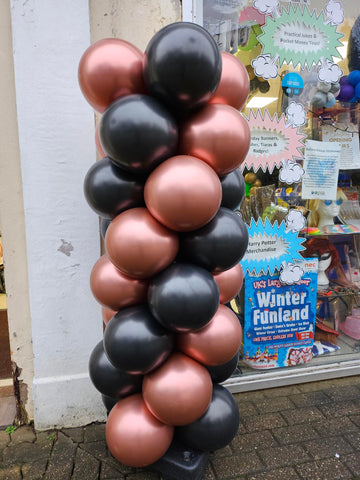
{"points": [[292, 84]]}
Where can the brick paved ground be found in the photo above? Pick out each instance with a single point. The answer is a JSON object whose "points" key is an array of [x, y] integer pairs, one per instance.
{"points": [[309, 431]]}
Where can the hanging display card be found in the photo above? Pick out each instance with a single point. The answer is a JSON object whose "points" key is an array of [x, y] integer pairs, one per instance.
{"points": [[270, 245], [300, 37], [272, 141], [349, 141], [280, 319], [321, 165]]}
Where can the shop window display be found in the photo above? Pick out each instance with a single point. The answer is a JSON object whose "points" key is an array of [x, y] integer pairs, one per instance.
{"points": [[302, 178]]}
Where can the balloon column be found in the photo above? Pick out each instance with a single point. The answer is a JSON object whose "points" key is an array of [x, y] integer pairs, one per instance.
{"points": [[166, 191]]}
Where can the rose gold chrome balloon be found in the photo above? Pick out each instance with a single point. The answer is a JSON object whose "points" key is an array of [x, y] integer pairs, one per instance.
{"points": [[110, 69], [113, 289], [139, 245], [183, 193], [134, 436], [229, 282], [217, 134], [217, 342], [234, 85], [107, 314], [98, 143], [179, 391]]}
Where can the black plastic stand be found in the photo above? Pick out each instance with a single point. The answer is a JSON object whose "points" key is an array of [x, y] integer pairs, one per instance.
{"points": [[181, 463]]}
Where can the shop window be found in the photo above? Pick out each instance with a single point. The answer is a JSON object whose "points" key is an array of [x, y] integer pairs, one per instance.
{"points": [[300, 303]]}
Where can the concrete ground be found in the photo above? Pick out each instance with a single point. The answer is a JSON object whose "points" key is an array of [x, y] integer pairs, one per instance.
{"points": [[309, 431]]}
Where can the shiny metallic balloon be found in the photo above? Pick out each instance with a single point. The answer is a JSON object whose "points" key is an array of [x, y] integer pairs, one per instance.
{"points": [[217, 342], [104, 224], [113, 289], [234, 85], [182, 66], [229, 282], [220, 373], [107, 314], [179, 391], [217, 246], [109, 402], [134, 436], [183, 193], [109, 190], [139, 245], [183, 297], [135, 342], [108, 379], [217, 134], [217, 427], [110, 69], [233, 189], [98, 143], [138, 133]]}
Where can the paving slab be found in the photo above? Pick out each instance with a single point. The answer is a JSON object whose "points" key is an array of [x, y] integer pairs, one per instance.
{"points": [[330, 469], [294, 433]]}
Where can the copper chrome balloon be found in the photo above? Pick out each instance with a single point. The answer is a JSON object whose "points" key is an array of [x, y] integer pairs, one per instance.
{"points": [[107, 314], [134, 436], [217, 342], [109, 69], [217, 134], [139, 245], [183, 193], [179, 391], [234, 85], [229, 282], [114, 290]]}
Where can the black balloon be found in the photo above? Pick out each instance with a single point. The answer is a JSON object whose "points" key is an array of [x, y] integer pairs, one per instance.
{"points": [[182, 66], [138, 133], [220, 373], [108, 379], [217, 246], [183, 297], [104, 225], [216, 428], [135, 342], [233, 189], [110, 190], [109, 402]]}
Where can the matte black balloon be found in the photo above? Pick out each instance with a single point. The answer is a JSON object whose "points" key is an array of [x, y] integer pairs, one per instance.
{"points": [[138, 133], [220, 373], [219, 245], [182, 66], [183, 297], [109, 402], [217, 427], [104, 225], [108, 379], [135, 342], [233, 189], [110, 190]]}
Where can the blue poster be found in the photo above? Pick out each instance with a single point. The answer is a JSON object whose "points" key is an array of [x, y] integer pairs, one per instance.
{"points": [[280, 318]]}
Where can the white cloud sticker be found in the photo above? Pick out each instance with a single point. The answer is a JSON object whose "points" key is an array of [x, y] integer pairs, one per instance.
{"points": [[267, 6], [290, 273], [334, 13], [295, 114], [294, 221], [291, 172], [329, 72], [265, 66]]}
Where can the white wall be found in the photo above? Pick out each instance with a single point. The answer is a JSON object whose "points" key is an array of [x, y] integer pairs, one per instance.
{"points": [[56, 129]]}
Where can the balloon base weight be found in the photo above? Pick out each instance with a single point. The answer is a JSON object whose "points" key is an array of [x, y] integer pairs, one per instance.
{"points": [[181, 463]]}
